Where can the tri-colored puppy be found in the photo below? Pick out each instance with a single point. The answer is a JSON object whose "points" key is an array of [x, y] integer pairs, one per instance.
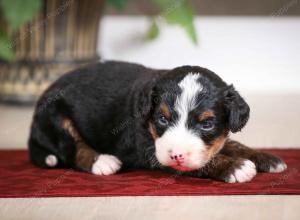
{"points": [[115, 114]]}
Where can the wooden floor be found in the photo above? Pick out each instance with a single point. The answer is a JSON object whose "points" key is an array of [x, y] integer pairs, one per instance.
{"points": [[152, 208]]}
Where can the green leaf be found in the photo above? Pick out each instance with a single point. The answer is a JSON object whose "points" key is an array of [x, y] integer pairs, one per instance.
{"points": [[179, 12], [6, 47], [153, 31], [19, 12], [118, 4]]}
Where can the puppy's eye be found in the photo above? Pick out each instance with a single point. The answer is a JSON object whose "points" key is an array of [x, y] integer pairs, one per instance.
{"points": [[207, 125], [163, 121]]}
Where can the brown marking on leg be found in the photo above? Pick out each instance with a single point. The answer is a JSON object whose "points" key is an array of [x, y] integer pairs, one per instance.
{"points": [[85, 155], [68, 125], [205, 115], [236, 149], [165, 110], [152, 131]]}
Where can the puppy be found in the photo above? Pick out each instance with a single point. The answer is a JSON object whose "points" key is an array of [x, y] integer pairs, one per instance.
{"points": [[115, 115]]}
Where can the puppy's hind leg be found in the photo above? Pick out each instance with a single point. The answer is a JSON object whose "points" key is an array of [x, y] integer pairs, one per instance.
{"points": [[50, 146], [88, 159]]}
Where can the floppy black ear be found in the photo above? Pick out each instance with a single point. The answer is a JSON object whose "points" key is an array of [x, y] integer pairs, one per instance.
{"points": [[237, 109], [145, 98]]}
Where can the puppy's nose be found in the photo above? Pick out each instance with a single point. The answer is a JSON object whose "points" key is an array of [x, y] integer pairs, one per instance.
{"points": [[177, 157]]}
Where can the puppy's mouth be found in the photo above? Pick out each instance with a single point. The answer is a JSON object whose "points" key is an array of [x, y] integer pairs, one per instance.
{"points": [[181, 167]]}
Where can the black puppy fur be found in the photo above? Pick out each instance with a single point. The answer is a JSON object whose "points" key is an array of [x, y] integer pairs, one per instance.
{"points": [[121, 109]]}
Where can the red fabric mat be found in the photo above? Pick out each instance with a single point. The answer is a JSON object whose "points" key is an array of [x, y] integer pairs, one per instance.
{"points": [[19, 178]]}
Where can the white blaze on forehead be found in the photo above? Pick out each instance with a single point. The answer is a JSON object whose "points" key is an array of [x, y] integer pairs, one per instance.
{"points": [[186, 101]]}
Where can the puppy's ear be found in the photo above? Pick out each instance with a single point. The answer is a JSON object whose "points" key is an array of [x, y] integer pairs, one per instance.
{"points": [[236, 108], [145, 98]]}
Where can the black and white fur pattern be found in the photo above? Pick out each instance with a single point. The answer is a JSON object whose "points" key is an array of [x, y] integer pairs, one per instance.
{"points": [[115, 115]]}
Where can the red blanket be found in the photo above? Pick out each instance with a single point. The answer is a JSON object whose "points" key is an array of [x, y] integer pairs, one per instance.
{"points": [[19, 178]]}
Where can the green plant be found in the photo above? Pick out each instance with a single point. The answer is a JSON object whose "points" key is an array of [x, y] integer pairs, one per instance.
{"points": [[178, 12], [15, 13], [18, 12]]}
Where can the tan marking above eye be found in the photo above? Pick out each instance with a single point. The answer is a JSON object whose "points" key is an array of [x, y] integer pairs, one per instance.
{"points": [[165, 110], [205, 115]]}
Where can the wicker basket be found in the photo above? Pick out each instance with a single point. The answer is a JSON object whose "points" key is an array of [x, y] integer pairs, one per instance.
{"points": [[63, 37]]}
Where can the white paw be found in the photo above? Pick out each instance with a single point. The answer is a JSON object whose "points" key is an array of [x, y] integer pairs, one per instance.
{"points": [[106, 165], [278, 168], [243, 174]]}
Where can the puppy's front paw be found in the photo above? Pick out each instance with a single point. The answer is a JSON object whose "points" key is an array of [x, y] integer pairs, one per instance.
{"points": [[230, 169], [106, 165], [244, 173], [268, 163]]}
